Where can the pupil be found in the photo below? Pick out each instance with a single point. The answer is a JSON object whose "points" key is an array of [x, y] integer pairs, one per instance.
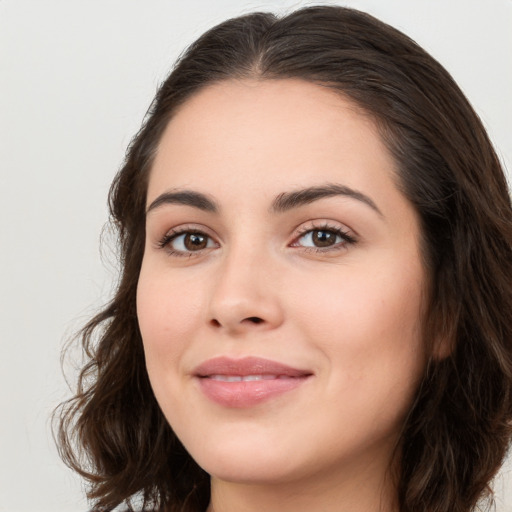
{"points": [[323, 238], [195, 241]]}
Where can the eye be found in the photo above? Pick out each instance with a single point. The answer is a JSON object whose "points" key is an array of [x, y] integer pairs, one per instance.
{"points": [[320, 238], [323, 238], [186, 242]]}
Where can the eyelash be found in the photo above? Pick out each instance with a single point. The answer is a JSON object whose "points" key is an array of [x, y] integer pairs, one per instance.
{"points": [[168, 238], [346, 239]]}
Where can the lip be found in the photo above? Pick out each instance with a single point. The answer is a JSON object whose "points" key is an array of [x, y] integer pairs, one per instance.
{"points": [[246, 382]]}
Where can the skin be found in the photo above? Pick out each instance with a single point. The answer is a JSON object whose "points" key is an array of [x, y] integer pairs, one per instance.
{"points": [[349, 312]]}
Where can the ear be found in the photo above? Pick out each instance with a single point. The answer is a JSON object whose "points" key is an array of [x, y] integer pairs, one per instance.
{"points": [[440, 329], [442, 347]]}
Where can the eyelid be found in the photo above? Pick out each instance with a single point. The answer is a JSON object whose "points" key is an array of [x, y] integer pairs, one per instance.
{"points": [[323, 224], [170, 235], [348, 236]]}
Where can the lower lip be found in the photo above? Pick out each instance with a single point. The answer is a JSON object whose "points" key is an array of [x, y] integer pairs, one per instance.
{"points": [[247, 393]]}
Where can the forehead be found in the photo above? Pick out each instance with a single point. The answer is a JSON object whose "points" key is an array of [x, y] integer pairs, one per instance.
{"points": [[267, 135]]}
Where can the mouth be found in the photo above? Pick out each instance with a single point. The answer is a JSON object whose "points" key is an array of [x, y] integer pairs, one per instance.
{"points": [[246, 378], [241, 383]]}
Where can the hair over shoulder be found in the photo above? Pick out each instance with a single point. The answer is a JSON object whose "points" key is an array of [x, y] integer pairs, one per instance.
{"points": [[458, 430]]}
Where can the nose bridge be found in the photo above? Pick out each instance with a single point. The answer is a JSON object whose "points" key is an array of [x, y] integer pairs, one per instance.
{"points": [[243, 295]]}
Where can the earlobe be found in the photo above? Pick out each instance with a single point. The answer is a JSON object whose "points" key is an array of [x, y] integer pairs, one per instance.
{"points": [[440, 329], [444, 336], [442, 348]]}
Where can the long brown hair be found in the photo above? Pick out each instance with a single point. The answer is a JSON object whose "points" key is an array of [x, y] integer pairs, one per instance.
{"points": [[457, 433]]}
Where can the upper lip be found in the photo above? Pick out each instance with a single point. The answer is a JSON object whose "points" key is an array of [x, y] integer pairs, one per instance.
{"points": [[247, 366]]}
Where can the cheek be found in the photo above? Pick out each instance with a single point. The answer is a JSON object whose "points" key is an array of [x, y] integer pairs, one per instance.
{"points": [[168, 320], [366, 322], [167, 316], [369, 331]]}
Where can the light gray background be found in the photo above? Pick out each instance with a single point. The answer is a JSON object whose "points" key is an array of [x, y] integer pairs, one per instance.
{"points": [[75, 80]]}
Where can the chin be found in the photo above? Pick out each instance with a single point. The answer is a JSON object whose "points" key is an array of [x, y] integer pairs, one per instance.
{"points": [[250, 471], [247, 460]]}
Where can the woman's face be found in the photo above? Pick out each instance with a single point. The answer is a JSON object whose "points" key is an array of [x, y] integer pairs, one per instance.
{"points": [[280, 294]]}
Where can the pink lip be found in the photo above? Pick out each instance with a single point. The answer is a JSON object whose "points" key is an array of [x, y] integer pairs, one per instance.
{"points": [[218, 380]]}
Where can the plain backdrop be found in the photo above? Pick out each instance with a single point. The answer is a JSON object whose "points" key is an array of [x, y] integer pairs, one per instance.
{"points": [[76, 78]]}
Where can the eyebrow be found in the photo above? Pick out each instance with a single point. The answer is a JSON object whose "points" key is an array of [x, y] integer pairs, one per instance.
{"points": [[289, 200], [187, 198], [282, 203]]}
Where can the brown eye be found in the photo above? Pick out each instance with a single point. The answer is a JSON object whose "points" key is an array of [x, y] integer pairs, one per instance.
{"points": [[195, 241], [189, 241], [322, 238]]}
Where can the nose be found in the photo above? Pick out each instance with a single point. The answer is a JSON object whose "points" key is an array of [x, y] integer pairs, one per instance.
{"points": [[245, 295]]}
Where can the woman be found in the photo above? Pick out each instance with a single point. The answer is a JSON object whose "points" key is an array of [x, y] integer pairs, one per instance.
{"points": [[314, 311]]}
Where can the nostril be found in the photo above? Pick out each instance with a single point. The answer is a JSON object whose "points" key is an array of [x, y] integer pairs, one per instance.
{"points": [[255, 320]]}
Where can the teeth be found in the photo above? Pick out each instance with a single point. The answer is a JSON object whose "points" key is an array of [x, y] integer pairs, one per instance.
{"points": [[240, 378], [259, 377], [226, 378]]}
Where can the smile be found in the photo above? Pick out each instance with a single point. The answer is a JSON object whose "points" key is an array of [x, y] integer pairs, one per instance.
{"points": [[241, 383], [246, 378]]}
